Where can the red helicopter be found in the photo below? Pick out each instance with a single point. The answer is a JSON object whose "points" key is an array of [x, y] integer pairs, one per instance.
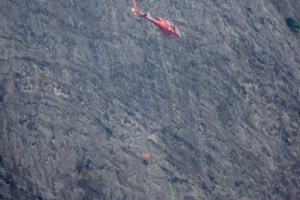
{"points": [[167, 27]]}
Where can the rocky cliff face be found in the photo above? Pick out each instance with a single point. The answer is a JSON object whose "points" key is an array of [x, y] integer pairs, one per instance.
{"points": [[86, 89]]}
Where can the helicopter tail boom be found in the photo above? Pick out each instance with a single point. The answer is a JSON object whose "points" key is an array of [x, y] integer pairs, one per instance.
{"points": [[136, 11]]}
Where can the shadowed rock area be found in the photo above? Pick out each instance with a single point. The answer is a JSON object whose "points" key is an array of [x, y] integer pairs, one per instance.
{"points": [[86, 88]]}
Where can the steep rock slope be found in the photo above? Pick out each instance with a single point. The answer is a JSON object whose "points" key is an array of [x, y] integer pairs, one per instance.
{"points": [[87, 88]]}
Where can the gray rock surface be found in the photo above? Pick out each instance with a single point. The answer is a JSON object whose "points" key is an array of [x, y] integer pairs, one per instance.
{"points": [[86, 89]]}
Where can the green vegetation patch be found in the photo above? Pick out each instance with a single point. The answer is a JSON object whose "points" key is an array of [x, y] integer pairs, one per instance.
{"points": [[274, 2], [292, 24]]}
